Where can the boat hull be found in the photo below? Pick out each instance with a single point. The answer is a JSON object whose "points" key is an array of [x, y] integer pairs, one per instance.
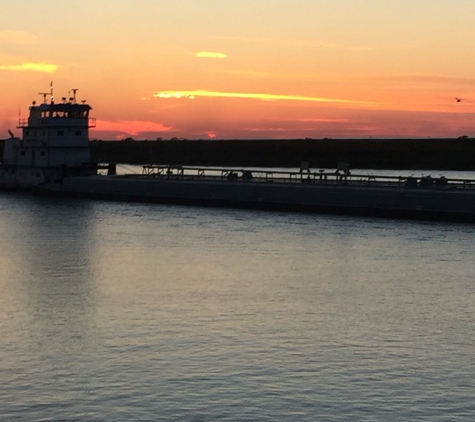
{"points": [[431, 204]]}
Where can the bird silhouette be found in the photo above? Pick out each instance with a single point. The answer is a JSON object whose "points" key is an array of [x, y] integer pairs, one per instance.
{"points": [[458, 99]]}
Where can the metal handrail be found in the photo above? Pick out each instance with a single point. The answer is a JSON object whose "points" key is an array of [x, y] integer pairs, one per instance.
{"points": [[320, 177], [45, 121]]}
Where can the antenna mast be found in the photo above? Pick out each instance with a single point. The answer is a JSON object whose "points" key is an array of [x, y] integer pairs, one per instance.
{"points": [[74, 94], [52, 94], [44, 94]]}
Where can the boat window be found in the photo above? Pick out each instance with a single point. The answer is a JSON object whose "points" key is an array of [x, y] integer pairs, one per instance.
{"points": [[43, 153], [23, 153], [60, 132], [78, 133], [73, 115]]}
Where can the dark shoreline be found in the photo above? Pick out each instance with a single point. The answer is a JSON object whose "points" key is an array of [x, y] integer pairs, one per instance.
{"points": [[391, 154], [397, 154]]}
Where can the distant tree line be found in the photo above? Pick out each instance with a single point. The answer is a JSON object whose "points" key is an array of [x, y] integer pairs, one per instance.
{"points": [[443, 154]]}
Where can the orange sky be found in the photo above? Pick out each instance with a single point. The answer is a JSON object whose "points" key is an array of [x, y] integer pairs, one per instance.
{"points": [[201, 69]]}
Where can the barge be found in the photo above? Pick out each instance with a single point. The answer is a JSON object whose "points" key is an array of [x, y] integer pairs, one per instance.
{"points": [[53, 158], [320, 192]]}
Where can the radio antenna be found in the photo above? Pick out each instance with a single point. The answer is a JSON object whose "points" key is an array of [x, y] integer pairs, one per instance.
{"points": [[74, 94], [44, 94]]}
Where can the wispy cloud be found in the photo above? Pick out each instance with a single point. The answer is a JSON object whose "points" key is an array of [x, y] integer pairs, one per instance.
{"points": [[312, 120], [131, 127], [35, 67], [265, 129], [17, 37], [254, 96], [211, 55]]}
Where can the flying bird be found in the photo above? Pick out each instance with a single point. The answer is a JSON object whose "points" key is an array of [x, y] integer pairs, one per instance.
{"points": [[458, 99]]}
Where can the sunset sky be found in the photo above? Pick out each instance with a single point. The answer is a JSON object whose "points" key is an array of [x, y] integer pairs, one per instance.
{"points": [[249, 69]]}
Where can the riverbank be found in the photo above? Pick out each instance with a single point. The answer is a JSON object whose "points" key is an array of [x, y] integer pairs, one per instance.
{"points": [[442, 154]]}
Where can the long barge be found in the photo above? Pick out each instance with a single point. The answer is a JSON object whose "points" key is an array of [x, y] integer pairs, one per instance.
{"points": [[303, 191], [53, 157]]}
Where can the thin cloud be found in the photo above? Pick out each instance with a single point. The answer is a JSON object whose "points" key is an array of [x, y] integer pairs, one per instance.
{"points": [[35, 67], [310, 120], [211, 55], [254, 96], [17, 37], [131, 127], [266, 129]]}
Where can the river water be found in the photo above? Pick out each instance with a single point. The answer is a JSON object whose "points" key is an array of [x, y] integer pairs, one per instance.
{"points": [[134, 312]]}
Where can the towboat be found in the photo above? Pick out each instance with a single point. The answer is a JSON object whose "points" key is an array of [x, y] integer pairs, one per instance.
{"points": [[54, 144]]}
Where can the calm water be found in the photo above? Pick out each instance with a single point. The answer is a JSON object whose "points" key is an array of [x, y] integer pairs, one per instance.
{"points": [[131, 312]]}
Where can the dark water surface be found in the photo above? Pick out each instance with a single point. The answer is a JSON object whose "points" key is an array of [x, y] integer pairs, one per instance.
{"points": [[131, 312]]}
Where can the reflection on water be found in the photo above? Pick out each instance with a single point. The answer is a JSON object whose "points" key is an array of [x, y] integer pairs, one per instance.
{"points": [[47, 247], [115, 311]]}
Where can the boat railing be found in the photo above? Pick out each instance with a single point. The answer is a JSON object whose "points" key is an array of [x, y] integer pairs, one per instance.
{"points": [[33, 122], [44, 121], [22, 122], [307, 177]]}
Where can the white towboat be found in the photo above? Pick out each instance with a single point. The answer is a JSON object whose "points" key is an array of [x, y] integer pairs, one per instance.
{"points": [[55, 143]]}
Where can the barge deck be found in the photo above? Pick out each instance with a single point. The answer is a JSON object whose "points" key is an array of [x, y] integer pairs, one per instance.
{"points": [[302, 191]]}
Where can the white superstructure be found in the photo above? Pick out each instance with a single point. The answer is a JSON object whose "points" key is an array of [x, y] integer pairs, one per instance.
{"points": [[55, 143]]}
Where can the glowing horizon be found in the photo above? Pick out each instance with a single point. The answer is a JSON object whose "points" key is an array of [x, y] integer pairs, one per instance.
{"points": [[130, 127]]}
